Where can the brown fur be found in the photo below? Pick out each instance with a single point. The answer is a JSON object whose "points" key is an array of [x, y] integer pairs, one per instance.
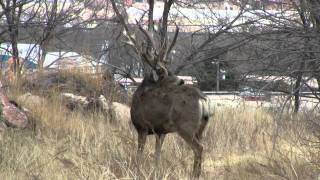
{"points": [[167, 106]]}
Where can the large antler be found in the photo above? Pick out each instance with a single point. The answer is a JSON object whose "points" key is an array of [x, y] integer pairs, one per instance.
{"points": [[153, 53]]}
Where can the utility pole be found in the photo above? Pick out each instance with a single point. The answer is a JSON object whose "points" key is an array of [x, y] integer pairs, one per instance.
{"points": [[218, 76]]}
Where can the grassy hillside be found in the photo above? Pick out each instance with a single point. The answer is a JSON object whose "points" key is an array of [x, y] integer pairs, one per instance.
{"points": [[239, 143]]}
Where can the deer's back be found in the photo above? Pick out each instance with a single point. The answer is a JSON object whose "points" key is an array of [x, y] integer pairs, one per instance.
{"points": [[164, 109]]}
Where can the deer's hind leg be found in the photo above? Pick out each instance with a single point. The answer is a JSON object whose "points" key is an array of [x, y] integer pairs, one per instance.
{"points": [[203, 125], [197, 149]]}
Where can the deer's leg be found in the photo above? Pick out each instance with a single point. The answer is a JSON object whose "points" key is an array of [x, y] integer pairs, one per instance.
{"points": [[142, 137], [201, 129], [197, 149], [159, 142]]}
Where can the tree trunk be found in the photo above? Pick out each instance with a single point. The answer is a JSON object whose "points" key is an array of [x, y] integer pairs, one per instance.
{"points": [[12, 13], [13, 30], [297, 87], [15, 53], [42, 56]]}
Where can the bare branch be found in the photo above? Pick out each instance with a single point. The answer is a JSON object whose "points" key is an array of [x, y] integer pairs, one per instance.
{"points": [[150, 16], [172, 43], [147, 35], [122, 21], [208, 41], [165, 15]]}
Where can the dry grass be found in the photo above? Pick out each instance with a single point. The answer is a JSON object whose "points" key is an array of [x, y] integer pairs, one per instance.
{"points": [[238, 145]]}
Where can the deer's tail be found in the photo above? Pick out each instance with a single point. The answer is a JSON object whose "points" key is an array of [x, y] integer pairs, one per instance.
{"points": [[207, 108]]}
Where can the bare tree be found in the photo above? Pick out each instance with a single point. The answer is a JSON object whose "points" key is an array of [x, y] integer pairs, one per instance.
{"points": [[57, 18], [155, 51], [288, 44], [14, 13]]}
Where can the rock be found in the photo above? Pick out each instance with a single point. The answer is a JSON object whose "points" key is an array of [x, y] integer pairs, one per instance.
{"points": [[74, 101], [116, 112], [12, 115], [120, 111], [120, 114], [86, 103], [72, 97]]}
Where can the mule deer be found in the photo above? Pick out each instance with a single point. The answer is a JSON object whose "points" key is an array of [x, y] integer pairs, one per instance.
{"points": [[165, 106], [162, 104]]}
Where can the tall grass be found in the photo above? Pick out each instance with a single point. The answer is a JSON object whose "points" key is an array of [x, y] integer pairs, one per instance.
{"points": [[239, 144]]}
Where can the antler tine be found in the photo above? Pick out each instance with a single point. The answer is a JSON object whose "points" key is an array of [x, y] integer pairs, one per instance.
{"points": [[163, 68], [151, 58], [146, 59], [166, 50]]}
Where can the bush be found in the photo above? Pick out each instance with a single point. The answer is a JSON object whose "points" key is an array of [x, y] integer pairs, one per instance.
{"points": [[74, 82]]}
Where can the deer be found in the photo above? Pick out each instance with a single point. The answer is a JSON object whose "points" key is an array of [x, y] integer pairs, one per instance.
{"points": [[164, 106], [162, 103]]}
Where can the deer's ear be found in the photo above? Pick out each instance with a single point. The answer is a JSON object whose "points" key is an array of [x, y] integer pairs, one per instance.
{"points": [[155, 76]]}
